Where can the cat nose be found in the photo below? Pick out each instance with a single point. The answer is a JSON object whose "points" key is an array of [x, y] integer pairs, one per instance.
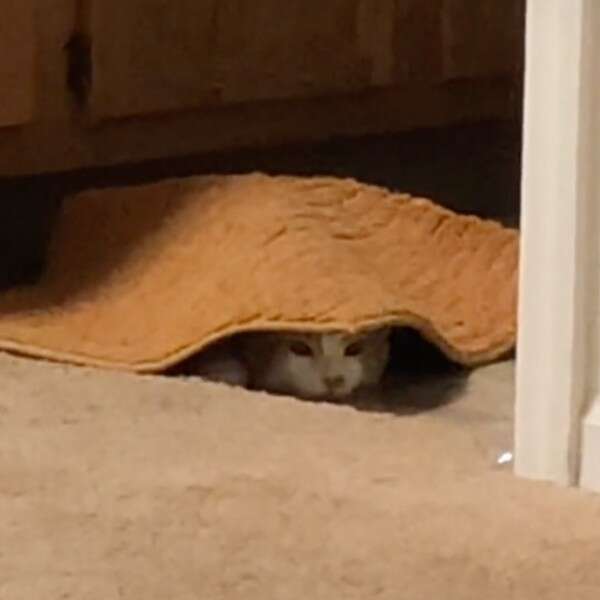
{"points": [[334, 381]]}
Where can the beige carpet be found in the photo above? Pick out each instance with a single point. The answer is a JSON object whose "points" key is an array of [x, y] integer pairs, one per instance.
{"points": [[117, 486]]}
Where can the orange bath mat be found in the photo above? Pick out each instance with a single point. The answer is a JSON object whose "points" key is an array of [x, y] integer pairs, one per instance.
{"points": [[139, 278]]}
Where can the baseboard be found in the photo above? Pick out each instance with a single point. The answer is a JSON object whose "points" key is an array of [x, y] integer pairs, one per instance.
{"points": [[590, 448]]}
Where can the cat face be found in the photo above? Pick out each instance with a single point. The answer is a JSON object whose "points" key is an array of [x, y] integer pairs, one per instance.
{"points": [[330, 365]]}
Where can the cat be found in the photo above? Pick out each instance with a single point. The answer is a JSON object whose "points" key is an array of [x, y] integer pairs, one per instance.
{"points": [[331, 365]]}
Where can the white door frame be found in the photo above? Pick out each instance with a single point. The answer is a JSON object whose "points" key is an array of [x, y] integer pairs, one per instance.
{"points": [[557, 422]]}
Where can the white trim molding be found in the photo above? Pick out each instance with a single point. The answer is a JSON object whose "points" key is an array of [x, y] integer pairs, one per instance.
{"points": [[590, 175], [557, 350], [590, 454]]}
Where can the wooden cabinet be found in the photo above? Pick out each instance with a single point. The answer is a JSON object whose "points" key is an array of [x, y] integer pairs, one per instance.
{"points": [[17, 62], [480, 39], [153, 56], [92, 82]]}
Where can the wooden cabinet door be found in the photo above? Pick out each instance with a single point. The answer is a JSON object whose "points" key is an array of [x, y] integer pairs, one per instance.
{"points": [[157, 56], [17, 62], [153, 56], [483, 38], [442, 40]]}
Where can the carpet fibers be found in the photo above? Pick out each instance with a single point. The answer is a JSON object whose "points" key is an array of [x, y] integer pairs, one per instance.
{"points": [[123, 486]]}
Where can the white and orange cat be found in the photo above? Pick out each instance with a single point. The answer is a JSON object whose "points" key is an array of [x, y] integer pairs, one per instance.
{"points": [[329, 365]]}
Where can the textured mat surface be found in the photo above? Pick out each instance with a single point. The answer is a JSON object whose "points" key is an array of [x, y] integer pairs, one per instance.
{"points": [[141, 277]]}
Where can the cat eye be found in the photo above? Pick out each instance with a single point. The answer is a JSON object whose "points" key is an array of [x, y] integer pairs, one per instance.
{"points": [[354, 349], [300, 349]]}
